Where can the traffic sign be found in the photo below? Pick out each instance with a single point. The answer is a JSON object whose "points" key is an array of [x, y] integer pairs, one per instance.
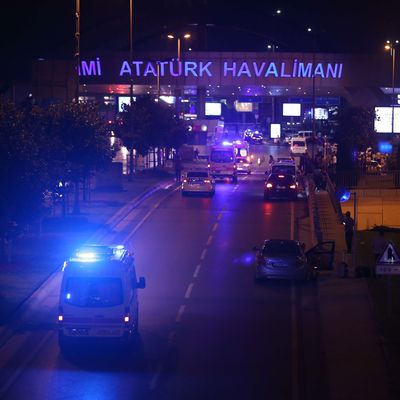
{"points": [[389, 261]]}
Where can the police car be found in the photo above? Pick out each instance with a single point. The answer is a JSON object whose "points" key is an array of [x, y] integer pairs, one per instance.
{"points": [[98, 298]]}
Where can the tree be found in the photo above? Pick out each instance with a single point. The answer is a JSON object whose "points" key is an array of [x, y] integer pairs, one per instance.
{"points": [[148, 124], [355, 133], [80, 140], [23, 173]]}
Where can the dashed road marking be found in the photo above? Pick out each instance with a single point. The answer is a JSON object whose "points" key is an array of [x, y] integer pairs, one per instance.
{"points": [[180, 313], [203, 254], [189, 290], [196, 271], [210, 238], [215, 227]]}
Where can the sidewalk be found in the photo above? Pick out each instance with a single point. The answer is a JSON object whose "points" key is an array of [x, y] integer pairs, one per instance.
{"points": [[355, 360], [60, 236]]}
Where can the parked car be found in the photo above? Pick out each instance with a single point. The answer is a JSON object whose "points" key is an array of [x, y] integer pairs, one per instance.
{"points": [[287, 259]]}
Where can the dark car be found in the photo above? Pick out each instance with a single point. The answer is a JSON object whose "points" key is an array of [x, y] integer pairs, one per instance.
{"points": [[283, 259], [280, 186]]}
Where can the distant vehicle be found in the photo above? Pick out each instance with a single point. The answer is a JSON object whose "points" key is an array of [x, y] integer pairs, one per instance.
{"points": [[98, 297], [283, 167], [280, 186], [284, 259], [298, 146], [223, 162], [243, 157], [198, 182], [253, 137]]}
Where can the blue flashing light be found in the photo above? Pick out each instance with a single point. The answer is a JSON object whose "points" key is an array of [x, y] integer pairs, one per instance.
{"points": [[86, 256], [68, 296], [344, 196], [385, 147]]}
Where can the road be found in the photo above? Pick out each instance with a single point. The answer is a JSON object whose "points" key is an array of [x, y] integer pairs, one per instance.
{"points": [[207, 331]]}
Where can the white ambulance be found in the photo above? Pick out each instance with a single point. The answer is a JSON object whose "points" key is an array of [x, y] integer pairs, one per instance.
{"points": [[98, 298], [223, 161]]}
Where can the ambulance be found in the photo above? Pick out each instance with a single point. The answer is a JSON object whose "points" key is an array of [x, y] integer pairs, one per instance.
{"points": [[223, 161], [98, 297]]}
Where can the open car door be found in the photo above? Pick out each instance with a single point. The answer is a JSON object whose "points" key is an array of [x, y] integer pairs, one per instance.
{"points": [[322, 256]]}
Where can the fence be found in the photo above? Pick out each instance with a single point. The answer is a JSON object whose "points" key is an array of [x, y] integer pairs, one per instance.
{"points": [[361, 179]]}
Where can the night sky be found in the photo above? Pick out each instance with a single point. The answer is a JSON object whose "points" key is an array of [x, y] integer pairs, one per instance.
{"points": [[45, 28]]}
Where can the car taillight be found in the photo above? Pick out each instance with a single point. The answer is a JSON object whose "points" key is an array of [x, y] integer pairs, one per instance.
{"points": [[268, 185], [185, 181], [207, 181], [292, 186]]}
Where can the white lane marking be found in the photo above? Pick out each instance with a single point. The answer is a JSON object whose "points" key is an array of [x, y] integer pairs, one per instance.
{"points": [[215, 227], [26, 361], [196, 271], [156, 377], [292, 220], [141, 222], [203, 254], [180, 313], [210, 238], [189, 290], [219, 217], [295, 361]]}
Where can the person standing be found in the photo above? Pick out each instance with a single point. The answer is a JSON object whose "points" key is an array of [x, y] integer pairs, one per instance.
{"points": [[178, 167], [348, 231]]}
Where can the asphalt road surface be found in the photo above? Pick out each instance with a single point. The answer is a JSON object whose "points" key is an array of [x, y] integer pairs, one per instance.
{"points": [[207, 331]]}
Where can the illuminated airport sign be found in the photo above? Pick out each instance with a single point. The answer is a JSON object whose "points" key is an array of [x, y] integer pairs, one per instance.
{"points": [[217, 68]]}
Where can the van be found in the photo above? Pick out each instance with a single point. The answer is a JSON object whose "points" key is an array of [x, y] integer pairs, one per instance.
{"points": [[298, 146], [98, 296], [223, 162]]}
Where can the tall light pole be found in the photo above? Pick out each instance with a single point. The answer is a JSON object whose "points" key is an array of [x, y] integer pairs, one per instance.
{"points": [[177, 89], [391, 46], [310, 30], [131, 86], [77, 45], [185, 36]]}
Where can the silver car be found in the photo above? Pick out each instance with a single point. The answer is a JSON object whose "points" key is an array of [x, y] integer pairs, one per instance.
{"points": [[198, 182], [283, 259]]}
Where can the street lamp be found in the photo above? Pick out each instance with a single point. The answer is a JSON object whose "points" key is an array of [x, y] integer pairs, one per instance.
{"points": [[185, 36], [391, 46], [77, 45]]}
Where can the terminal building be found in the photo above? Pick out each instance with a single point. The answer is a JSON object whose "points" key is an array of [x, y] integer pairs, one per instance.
{"points": [[292, 90]]}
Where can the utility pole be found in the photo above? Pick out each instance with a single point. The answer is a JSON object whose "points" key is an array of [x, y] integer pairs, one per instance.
{"points": [[131, 158]]}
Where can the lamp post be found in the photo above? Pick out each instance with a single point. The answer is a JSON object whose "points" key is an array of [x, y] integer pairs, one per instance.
{"points": [[77, 45], [185, 36], [391, 46], [310, 30], [131, 158]]}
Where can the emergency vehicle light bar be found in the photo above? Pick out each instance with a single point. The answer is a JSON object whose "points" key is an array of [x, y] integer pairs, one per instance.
{"points": [[96, 252]]}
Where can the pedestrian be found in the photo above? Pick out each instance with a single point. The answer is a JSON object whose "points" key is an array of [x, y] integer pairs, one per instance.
{"points": [[348, 223], [334, 162], [379, 244], [178, 167], [271, 160], [196, 153]]}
